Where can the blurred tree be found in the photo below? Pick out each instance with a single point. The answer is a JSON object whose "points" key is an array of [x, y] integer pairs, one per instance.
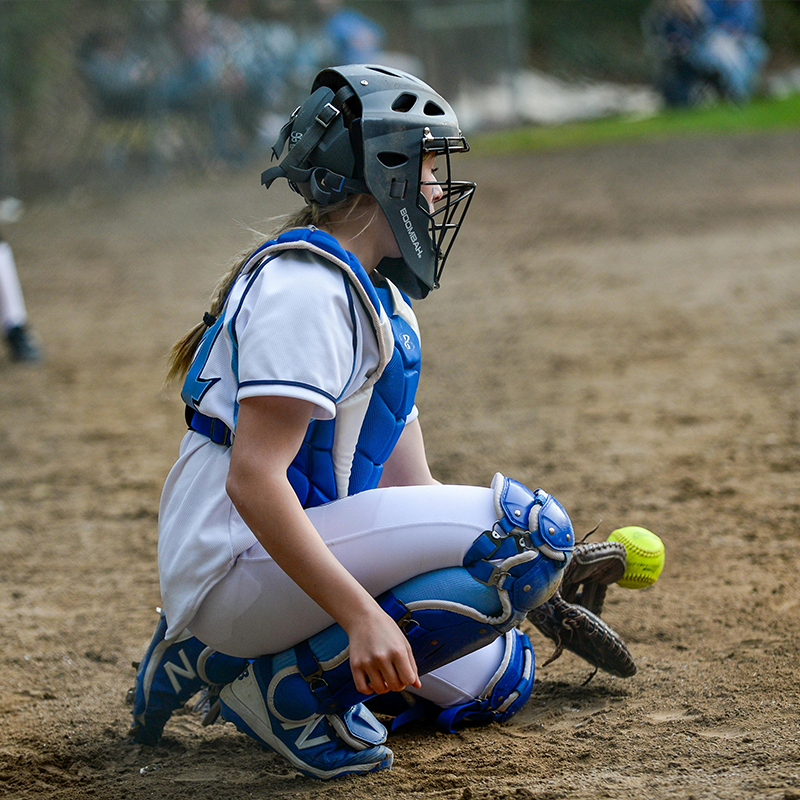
{"points": [[782, 19], [599, 39], [23, 26]]}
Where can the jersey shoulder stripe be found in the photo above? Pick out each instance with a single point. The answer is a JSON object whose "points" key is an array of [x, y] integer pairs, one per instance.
{"points": [[289, 383]]}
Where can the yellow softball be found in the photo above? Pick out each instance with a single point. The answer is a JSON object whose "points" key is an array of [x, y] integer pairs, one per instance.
{"points": [[645, 556]]}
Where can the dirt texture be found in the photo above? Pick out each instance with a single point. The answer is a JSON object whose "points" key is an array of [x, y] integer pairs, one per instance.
{"points": [[619, 325]]}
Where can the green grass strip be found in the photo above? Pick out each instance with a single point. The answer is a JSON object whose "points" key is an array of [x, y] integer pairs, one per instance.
{"points": [[759, 115]]}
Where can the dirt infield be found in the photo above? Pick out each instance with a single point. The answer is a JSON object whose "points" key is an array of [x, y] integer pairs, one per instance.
{"points": [[619, 325]]}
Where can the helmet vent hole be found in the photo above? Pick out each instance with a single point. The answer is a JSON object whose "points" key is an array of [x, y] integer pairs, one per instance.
{"points": [[433, 110], [384, 71], [392, 160], [405, 102]]}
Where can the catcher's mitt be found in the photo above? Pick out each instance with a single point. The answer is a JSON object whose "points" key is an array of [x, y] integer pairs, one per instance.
{"points": [[571, 618]]}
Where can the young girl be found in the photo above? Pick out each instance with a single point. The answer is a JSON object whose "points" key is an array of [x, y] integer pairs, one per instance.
{"points": [[301, 533]]}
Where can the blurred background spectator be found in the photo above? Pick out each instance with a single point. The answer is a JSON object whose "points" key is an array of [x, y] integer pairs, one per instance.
{"points": [[208, 83], [701, 45], [232, 63], [353, 37], [257, 55], [168, 61]]}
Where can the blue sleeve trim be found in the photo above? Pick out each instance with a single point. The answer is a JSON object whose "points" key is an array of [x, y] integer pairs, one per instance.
{"points": [[250, 281], [308, 386]]}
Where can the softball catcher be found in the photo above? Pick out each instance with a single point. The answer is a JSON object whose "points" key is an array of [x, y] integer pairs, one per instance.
{"points": [[309, 562]]}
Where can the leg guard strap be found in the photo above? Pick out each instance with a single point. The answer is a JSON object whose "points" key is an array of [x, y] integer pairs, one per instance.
{"points": [[315, 676], [445, 615]]}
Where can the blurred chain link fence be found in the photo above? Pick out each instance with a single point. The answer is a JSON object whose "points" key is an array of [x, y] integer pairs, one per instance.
{"points": [[95, 87]]}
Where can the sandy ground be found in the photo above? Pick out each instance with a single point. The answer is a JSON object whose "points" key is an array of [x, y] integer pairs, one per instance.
{"points": [[619, 325]]}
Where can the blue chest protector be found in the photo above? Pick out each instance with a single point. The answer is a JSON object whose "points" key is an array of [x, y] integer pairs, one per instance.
{"points": [[312, 473], [345, 455]]}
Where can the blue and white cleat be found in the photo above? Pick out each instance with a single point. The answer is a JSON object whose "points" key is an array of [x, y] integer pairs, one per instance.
{"points": [[319, 745], [170, 674]]}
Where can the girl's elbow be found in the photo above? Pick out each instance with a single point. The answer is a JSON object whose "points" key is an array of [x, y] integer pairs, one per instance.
{"points": [[235, 487], [246, 482]]}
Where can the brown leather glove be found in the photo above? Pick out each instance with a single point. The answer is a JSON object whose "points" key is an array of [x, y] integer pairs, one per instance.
{"points": [[571, 618]]}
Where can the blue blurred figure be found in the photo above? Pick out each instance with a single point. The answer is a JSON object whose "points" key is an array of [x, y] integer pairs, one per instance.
{"points": [[702, 43], [740, 24], [356, 39]]}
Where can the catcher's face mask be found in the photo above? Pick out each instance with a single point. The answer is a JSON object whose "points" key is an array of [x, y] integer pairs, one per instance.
{"points": [[444, 200]]}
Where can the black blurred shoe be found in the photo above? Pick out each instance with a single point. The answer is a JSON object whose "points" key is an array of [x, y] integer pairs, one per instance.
{"points": [[23, 344]]}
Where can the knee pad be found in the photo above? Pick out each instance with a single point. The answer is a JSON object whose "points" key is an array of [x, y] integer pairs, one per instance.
{"points": [[524, 554], [445, 614]]}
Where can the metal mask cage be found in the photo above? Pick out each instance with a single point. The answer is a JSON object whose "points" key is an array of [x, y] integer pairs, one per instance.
{"points": [[449, 211]]}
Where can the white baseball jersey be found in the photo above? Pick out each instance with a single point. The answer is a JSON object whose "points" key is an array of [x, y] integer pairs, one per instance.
{"points": [[296, 325]]}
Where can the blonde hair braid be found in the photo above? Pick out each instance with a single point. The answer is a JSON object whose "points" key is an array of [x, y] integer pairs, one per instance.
{"points": [[182, 352]]}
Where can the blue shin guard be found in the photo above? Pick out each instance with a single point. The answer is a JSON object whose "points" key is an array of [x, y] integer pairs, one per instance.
{"points": [[505, 694], [297, 701]]}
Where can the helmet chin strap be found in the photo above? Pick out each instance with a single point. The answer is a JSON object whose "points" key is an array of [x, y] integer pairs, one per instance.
{"points": [[307, 144]]}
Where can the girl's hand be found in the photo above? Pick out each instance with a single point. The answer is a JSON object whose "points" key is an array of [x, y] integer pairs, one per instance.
{"points": [[380, 656], [269, 432]]}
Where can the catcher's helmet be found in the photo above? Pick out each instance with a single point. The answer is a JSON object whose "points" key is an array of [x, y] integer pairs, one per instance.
{"points": [[367, 129]]}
